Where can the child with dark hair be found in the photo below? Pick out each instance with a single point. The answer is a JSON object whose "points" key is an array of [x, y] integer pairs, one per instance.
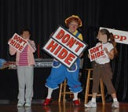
{"points": [[102, 69], [25, 63]]}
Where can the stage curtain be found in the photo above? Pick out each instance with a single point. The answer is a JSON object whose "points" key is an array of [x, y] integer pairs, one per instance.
{"points": [[43, 17]]}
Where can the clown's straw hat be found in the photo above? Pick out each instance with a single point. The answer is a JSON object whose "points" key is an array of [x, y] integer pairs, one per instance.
{"points": [[73, 17]]}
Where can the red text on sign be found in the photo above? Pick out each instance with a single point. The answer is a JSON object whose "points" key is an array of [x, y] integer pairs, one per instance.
{"points": [[95, 49], [68, 40], [16, 45], [121, 38], [97, 55], [61, 52]]}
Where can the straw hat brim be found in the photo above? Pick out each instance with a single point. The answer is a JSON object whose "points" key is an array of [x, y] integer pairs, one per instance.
{"points": [[73, 17]]}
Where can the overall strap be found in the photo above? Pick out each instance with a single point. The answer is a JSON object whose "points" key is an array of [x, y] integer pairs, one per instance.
{"points": [[77, 34]]}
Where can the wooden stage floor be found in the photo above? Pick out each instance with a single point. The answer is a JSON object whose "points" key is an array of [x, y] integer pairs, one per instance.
{"points": [[62, 107]]}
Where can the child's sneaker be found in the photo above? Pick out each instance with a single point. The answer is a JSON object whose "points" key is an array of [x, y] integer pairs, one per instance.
{"points": [[28, 104], [91, 104], [47, 102], [20, 104], [115, 104]]}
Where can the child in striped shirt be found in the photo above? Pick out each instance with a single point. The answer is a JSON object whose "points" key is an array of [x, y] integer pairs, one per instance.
{"points": [[25, 62]]}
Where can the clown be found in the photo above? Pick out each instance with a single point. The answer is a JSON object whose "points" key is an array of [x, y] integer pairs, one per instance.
{"points": [[60, 72]]}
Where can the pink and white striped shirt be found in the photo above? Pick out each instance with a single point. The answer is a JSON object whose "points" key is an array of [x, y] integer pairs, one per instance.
{"points": [[30, 56], [23, 60]]}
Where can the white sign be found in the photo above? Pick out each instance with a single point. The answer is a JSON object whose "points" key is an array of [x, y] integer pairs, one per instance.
{"points": [[69, 41], [17, 42], [96, 52], [64, 46]]}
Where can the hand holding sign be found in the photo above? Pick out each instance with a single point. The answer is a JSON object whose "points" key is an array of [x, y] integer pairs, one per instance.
{"points": [[32, 45], [106, 50]]}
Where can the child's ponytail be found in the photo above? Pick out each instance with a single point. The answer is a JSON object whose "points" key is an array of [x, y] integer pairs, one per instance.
{"points": [[112, 40]]}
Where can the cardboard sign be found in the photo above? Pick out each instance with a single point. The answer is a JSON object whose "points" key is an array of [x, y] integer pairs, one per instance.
{"points": [[96, 52], [69, 41], [120, 36], [64, 46], [17, 42], [60, 53]]}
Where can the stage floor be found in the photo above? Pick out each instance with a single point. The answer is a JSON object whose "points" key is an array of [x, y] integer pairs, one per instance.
{"points": [[62, 107]]}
